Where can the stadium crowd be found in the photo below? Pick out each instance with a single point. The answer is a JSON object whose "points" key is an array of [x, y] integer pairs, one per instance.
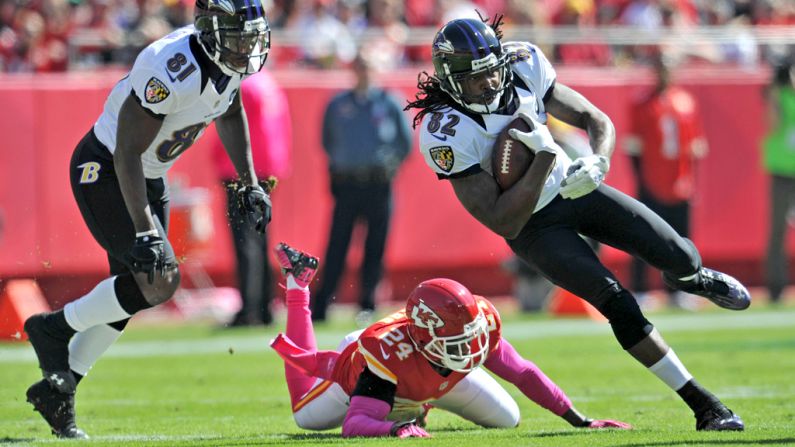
{"points": [[61, 35]]}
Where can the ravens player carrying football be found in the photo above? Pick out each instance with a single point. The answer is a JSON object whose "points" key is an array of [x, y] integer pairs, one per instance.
{"points": [[480, 84], [381, 381], [176, 88]]}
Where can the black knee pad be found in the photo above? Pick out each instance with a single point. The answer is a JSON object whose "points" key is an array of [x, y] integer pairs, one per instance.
{"points": [[622, 311], [128, 293]]}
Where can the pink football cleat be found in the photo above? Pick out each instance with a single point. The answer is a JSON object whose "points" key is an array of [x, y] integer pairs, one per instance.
{"points": [[301, 265]]}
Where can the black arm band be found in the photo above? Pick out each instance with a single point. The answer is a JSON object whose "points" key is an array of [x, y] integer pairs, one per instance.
{"points": [[370, 385]]}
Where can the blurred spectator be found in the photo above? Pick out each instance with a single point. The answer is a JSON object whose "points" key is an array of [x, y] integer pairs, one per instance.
{"points": [[270, 129], [666, 138], [387, 50], [779, 161], [48, 35], [351, 14], [325, 41], [457, 9], [366, 136], [737, 44], [582, 13]]}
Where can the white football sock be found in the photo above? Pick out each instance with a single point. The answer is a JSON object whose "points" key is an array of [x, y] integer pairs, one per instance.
{"points": [[671, 371], [88, 346], [291, 284], [98, 306]]}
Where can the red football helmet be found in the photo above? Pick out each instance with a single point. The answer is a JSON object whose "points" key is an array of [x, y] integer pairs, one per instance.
{"points": [[447, 326]]}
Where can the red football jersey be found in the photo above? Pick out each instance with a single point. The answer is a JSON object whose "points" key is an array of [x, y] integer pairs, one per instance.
{"points": [[386, 349], [667, 125]]}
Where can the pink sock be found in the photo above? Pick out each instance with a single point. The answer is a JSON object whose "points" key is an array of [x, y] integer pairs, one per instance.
{"points": [[300, 331]]}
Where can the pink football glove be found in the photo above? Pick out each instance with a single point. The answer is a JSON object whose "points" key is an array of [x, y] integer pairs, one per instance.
{"points": [[411, 431], [609, 423]]}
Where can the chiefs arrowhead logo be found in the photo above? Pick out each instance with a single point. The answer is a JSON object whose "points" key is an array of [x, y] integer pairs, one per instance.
{"points": [[425, 318]]}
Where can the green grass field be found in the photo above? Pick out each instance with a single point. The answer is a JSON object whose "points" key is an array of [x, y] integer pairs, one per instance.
{"points": [[199, 386]]}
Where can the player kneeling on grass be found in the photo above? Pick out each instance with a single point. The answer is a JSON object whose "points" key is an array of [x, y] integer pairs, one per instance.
{"points": [[384, 379]]}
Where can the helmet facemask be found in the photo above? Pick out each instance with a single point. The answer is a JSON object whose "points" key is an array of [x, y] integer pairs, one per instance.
{"points": [[486, 102], [461, 352], [238, 46]]}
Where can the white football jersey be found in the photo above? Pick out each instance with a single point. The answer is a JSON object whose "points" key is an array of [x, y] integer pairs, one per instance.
{"points": [[167, 80], [456, 144]]}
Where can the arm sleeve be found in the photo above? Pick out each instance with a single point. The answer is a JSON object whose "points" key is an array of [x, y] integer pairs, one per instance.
{"points": [[505, 362], [371, 402]]}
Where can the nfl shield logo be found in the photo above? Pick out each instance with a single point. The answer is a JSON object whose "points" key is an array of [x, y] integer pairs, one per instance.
{"points": [[156, 91], [443, 157]]}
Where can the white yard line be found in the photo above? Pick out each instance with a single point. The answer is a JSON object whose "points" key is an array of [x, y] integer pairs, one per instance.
{"points": [[779, 318]]}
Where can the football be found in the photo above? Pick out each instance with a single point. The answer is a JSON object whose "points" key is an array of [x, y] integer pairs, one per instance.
{"points": [[509, 158]]}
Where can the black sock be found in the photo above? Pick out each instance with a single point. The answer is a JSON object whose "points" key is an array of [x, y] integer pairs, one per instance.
{"points": [[697, 397], [78, 376]]}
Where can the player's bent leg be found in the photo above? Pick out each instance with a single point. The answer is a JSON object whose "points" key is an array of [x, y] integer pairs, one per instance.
{"points": [[635, 228], [480, 399], [298, 348], [322, 408]]}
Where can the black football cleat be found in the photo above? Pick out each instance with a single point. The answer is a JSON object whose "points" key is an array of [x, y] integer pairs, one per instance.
{"points": [[720, 288], [52, 348], [719, 418], [57, 408], [302, 265]]}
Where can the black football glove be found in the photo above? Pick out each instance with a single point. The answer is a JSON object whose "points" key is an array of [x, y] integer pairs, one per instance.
{"points": [[256, 203], [147, 255]]}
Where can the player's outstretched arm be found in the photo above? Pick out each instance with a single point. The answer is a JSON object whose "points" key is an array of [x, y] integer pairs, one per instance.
{"points": [[371, 403], [505, 362], [507, 212], [509, 365]]}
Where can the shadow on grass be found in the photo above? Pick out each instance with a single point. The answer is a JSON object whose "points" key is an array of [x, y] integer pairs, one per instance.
{"points": [[777, 441], [7, 440]]}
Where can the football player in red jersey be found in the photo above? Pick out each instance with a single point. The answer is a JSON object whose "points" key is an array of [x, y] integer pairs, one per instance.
{"points": [[381, 381]]}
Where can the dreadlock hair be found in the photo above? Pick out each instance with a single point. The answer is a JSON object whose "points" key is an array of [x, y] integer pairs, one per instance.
{"points": [[430, 96]]}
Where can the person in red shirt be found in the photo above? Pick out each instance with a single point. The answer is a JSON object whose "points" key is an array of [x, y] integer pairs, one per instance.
{"points": [[666, 139], [382, 380]]}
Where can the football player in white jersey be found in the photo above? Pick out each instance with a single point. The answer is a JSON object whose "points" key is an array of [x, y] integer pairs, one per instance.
{"points": [[481, 84], [176, 88]]}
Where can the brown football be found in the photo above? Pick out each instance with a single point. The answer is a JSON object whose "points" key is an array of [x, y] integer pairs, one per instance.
{"points": [[510, 158]]}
